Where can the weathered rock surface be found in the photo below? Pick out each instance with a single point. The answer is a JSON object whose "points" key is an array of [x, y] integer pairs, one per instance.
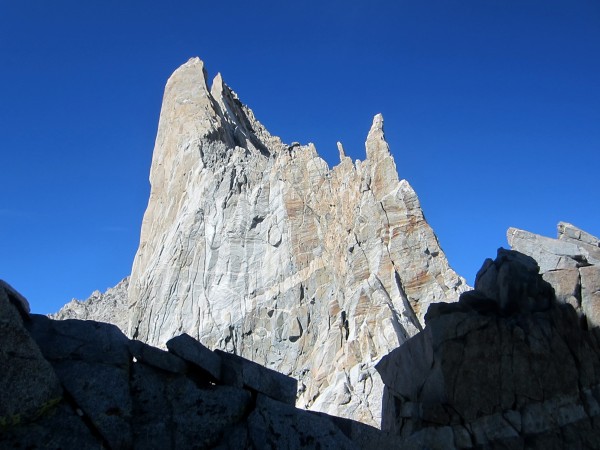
{"points": [[571, 264], [109, 307], [76, 384], [505, 367], [260, 249]]}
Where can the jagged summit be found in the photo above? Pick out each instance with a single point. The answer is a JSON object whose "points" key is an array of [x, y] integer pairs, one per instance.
{"points": [[377, 147], [222, 110]]}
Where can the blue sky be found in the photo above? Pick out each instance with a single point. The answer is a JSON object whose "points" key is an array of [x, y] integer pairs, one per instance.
{"points": [[492, 111]]}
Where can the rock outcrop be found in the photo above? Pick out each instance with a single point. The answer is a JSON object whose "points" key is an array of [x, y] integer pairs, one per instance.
{"points": [[260, 249], [571, 264], [73, 384], [507, 366], [109, 306]]}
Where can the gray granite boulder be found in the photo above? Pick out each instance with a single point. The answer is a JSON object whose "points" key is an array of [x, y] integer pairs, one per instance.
{"points": [[194, 352], [80, 340], [59, 427], [92, 361], [28, 385]]}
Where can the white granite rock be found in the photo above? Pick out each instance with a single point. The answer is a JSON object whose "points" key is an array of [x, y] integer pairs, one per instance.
{"points": [[259, 248]]}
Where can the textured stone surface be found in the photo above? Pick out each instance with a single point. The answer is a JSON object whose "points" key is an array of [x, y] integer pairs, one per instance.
{"points": [[110, 307], [485, 375], [573, 248], [260, 249], [566, 284], [571, 264]]}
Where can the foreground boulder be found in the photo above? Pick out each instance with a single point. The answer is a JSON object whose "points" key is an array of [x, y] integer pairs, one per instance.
{"points": [[506, 367], [76, 384], [28, 385]]}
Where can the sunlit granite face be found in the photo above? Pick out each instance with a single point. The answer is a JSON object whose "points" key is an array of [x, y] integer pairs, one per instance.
{"points": [[259, 248]]}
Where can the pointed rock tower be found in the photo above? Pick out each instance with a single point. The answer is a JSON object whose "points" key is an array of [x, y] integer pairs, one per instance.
{"points": [[261, 249]]}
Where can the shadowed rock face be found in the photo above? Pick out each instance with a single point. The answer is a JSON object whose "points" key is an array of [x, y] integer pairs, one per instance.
{"points": [[507, 366], [260, 249], [74, 384]]}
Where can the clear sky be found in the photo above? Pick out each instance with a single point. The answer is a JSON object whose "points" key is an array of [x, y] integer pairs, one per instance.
{"points": [[491, 107]]}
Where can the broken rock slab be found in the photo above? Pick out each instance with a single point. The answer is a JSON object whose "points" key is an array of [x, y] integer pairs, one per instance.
{"points": [[569, 232], [189, 349], [573, 248], [156, 357], [80, 340], [240, 372]]}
